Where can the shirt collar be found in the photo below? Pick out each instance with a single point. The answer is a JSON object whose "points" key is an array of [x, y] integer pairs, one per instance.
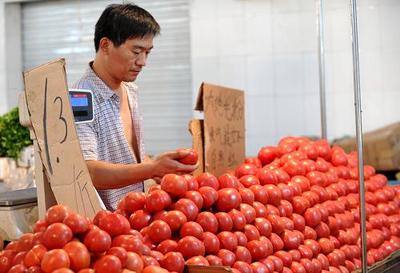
{"points": [[104, 90]]}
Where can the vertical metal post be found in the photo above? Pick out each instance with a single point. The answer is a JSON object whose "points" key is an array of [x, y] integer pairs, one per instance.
{"points": [[358, 114], [321, 59]]}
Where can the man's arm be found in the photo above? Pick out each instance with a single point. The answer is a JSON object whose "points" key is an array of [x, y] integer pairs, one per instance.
{"points": [[107, 175]]}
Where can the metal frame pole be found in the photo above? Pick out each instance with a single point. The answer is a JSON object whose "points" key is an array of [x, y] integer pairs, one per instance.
{"points": [[321, 59], [358, 115]]}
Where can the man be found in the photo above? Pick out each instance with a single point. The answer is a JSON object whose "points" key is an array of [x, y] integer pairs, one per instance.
{"points": [[112, 144]]}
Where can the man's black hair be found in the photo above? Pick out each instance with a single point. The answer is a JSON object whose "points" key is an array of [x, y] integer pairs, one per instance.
{"points": [[120, 22]]}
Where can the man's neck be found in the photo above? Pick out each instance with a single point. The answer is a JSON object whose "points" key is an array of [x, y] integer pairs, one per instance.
{"points": [[111, 82]]}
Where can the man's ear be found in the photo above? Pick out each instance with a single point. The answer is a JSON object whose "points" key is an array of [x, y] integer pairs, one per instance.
{"points": [[105, 44]]}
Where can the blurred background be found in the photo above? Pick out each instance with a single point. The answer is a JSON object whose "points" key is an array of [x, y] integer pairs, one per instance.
{"points": [[268, 48]]}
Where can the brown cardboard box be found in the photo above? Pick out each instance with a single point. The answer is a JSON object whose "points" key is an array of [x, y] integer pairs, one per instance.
{"points": [[52, 122], [220, 138], [381, 147]]}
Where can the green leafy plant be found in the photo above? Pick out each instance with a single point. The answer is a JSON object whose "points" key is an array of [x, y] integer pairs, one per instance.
{"points": [[13, 136]]}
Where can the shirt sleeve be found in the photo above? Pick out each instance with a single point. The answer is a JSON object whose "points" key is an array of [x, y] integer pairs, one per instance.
{"points": [[88, 140]]}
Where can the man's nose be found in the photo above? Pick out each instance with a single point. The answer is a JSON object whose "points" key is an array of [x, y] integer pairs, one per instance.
{"points": [[142, 58]]}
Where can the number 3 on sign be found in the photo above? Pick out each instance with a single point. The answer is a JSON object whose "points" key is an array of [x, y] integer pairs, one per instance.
{"points": [[57, 101]]}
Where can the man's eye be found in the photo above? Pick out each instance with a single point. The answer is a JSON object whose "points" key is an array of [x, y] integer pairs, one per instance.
{"points": [[136, 52]]}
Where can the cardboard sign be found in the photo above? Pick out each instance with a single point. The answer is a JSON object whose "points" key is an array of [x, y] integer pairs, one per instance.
{"points": [[53, 124], [223, 133]]}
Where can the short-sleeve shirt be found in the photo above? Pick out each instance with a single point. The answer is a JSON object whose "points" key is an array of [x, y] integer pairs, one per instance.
{"points": [[104, 138]]}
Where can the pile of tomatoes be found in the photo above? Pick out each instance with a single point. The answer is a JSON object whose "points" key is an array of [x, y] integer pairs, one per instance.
{"points": [[292, 209]]}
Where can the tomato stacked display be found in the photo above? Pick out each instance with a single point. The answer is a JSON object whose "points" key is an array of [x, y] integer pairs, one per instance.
{"points": [[292, 209]]}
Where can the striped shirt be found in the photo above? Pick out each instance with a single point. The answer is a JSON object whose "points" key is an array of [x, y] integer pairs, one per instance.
{"points": [[104, 139]]}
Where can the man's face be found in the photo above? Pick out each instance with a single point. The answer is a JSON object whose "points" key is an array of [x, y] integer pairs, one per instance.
{"points": [[127, 60]]}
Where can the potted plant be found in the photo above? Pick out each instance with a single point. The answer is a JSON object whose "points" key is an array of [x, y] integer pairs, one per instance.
{"points": [[13, 138]]}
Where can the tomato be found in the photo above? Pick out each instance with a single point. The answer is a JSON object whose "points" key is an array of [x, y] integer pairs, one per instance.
{"points": [[211, 242], [167, 246], [285, 208], [191, 229], [243, 254], [54, 259], [285, 257], [114, 224], [196, 197], [276, 223], [248, 180], [247, 196], [19, 258], [134, 201], [267, 176], [207, 221], [175, 219], [139, 219], [57, 214], [191, 182], [148, 260], [263, 226], [97, 240], [228, 199], [241, 237], [56, 236], [197, 260], [214, 260], [326, 245], [258, 249], [297, 267], [248, 211], [190, 158], [40, 225], [17, 268], [312, 216], [312, 197], [154, 269], [190, 246], [274, 194], [276, 241], [173, 184], [120, 253], [159, 231], [225, 222], [260, 209], [76, 222], [210, 196], [322, 230], [207, 179], [245, 169], [107, 264], [34, 256], [228, 180], [243, 267], [267, 154], [290, 240], [298, 221], [294, 167], [228, 240], [78, 254], [63, 270], [227, 257], [188, 207], [286, 192], [173, 261], [238, 219], [157, 200]]}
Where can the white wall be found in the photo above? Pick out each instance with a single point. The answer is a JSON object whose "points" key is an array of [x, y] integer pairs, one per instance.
{"points": [[269, 49]]}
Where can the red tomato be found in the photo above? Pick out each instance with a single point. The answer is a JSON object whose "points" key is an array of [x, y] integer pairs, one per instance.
{"points": [[18, 268], [260, 209], [276, 223], [297, 268], [34, 256], [228, 199], [312, 217], [247, 196], [190, 158], [56, 236], [190, 246], [322, 230], [167, 246], [188, 207], [40, 225], [245, 169], [211, 242], [97, 240], [148, 260], [196, 197], [154, 269], [191, 229], [173, 261], [286, 192], [175, 219], [157, 200], [278, 264], [285, 257], [120, 253], [159, 231], [134, 201], [227, 257], [253, 160], [285, 208], [248, 212], [228, 240], [214, 260], [312, 197], [274, 194], [241, 237], [228, 180], [207, 179], [290, 239], [259, 250], [57, 214], [210, 196], [191, 182], [174, 184], [139, 219], [283, 177], [107, 264], [263, 226], [276, 241], [294, 167], [300, 204], [129, 243], [25, 242], [77, 223], [225, 222], [326, 245], [78, 254], [242, 267], [207, 221], [243, 254], [114, 224], [267, 154], [310, 150], [238, 219], [54, 259], [197, 260]]}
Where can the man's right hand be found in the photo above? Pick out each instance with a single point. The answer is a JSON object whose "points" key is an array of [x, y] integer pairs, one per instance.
{"points": [[167, 162]]}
